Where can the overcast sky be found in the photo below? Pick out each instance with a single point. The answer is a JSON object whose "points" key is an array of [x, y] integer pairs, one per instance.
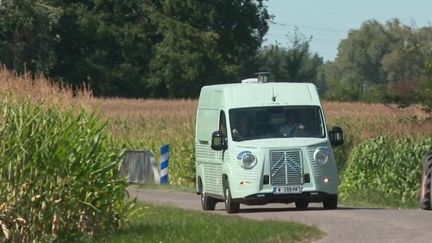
{"points": [[329, 21]]}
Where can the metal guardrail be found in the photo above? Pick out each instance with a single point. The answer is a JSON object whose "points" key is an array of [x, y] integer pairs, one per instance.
{"points": [[140, 167]]}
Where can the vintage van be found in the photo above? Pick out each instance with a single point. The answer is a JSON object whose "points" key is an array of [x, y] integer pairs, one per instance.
{"points": [[264, 142]]}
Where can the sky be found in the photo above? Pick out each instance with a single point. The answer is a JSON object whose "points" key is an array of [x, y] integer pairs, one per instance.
{"points": [[329, 21]]}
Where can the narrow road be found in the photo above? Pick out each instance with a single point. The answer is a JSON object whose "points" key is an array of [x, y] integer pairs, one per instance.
{"points": [[345, 224]]}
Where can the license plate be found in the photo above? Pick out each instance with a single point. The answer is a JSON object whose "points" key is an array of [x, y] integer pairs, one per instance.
{"points": [[287, 189]]}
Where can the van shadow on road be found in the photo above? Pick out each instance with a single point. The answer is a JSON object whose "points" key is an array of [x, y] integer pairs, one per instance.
{"points": [[291, 209]]}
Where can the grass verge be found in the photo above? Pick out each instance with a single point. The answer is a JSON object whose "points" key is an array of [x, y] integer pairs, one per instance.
{"points": [[373, 199], [176, 188], [165, 224]]}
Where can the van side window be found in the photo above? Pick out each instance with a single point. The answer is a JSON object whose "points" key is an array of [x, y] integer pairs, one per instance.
{"points": [[222, 123]]}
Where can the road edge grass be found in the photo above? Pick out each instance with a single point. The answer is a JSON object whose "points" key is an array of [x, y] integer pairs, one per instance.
{"points": [[373, 199], [154, 223], [175, 188]]}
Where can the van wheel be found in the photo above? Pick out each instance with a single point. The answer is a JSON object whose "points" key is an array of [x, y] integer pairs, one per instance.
{"points": [[330, 202], [230, 205], [425, 194], [302, 203], [207, 202]]}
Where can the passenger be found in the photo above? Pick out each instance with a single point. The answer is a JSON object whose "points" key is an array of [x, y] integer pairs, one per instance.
{"points": [[292, 125]]}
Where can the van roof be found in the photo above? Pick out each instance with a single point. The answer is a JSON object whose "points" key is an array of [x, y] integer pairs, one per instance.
{"points": [[259, 94]]}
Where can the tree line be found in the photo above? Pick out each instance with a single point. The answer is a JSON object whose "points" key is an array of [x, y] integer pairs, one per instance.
{"points": [[388, 62], [134, 48], [171, 48]]}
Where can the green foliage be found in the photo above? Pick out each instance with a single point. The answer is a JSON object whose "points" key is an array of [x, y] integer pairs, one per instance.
{"points": [[205, 43], [342, 153], [26, 35], [134, 48], [293, 64], [333, 87], [184, 60], [388, 167], [59, 174], [165, 224], [107, 44], [359, 61], [376, 93], [378, 63], [424, 95]]}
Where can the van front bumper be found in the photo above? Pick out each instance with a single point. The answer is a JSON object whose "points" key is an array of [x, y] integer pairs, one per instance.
{"points": [[264, 198]]}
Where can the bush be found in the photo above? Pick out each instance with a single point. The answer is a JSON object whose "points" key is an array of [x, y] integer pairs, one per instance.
{"points": [[59, 175], [387, 167], [351, 137]]}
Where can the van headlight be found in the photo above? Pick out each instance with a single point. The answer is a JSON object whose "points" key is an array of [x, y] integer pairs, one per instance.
{"points": [[321, 156], [248, 159]]}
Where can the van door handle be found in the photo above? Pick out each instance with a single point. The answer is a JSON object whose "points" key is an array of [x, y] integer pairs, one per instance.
{"points": [[203, 141]]}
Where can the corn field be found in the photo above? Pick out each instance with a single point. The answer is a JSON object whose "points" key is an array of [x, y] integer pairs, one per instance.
{"points": [[59, 174], [151, 123], [389, 167], [59, 162]]}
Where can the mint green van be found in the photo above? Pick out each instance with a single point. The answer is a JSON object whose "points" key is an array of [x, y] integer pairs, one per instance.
{"points": [[264, 142]]}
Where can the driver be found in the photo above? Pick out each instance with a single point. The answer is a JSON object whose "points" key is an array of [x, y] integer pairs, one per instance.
{"points": [[292, 124]]}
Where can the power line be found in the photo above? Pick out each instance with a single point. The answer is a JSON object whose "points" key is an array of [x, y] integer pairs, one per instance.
{"points": [[310, 27], [327, 44], [313, 38], [307, 33]]}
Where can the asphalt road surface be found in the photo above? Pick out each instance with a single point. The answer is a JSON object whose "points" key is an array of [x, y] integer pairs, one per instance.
{"points": [[345, 224]]}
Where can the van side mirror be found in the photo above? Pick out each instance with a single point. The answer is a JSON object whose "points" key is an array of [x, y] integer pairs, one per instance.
{"points": [[336, 136], [218, 141]]}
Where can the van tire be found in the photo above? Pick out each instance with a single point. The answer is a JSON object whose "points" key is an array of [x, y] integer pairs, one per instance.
{"points": [[331, 202], [230, 205], [207, 203], [301, 203], [425, 192]]}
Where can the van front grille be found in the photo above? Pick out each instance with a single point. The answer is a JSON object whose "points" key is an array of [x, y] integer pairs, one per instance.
{"points": [[286, 168]]}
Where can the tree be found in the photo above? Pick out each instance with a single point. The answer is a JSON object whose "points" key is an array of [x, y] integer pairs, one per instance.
{"points": [[424, 94], [134, 48], [271, 59], [377, 63], [295, 63], [185, 60], [205, 42], [26, 38], [360, 57], [405, 59], [332, 87], [108, 44], [296, 55], [407, 65]]}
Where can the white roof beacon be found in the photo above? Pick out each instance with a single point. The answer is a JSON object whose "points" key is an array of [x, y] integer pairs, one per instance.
{"points": [[262, 78]]}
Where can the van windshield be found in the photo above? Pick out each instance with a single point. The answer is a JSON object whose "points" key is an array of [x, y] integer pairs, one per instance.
{"points": [[276, 122]]}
